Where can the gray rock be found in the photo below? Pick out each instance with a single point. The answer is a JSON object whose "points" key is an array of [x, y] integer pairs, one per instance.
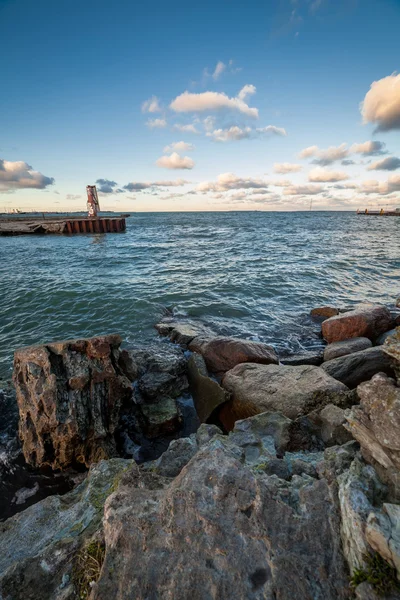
{"points": [[178, 454], [337, 460], [270, 425], [207, 393], [206, 432], [384, 336], [392, 348], [383, 534], [333, 420], [355, 368], [223, 530], [39, 544], [344, 347], [309, 358], [292, 391], [160, 418], [183, 332]]}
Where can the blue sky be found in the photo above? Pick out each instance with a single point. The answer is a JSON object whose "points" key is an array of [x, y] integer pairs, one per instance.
{"points": [[95, 91]]}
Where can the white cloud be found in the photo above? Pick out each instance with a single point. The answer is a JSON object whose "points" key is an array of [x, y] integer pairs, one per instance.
{"points": [[381, 187], [247, 90], [179, 147], [283, 168], [236, 133], [381, 104], [391, 163], [156, 123], [175, 161], [209, 101], [230, 181], [303, 190], [325, 157], [138, 186], [219, 69], [319, 174], [152, 105], [19, 175], [186, 128], [368, 148]]}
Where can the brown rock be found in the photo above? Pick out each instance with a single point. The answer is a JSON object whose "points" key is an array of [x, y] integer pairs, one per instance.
{"points": [[207, 393], [324, 311], [69, 397], [223, 353], [291, 391], [367, 320]]}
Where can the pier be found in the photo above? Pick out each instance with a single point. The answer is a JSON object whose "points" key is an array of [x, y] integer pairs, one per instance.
{"points": [[61, 225], [380, 213]]}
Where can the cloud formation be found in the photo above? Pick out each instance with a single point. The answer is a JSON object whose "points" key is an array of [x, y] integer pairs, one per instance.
{"points": [[152, 105], [210, 101], [186, 128], [303, 190], [179, 147], [219, 69], [284, 168], [236, 133], [381, 104], [19, 175], [137, 186], [246, 91], [381, 187], [156, 123], [369, 148], [391, 163], [325, 157], [106, 186], [319, 174], [175, 161], [230, 181]]}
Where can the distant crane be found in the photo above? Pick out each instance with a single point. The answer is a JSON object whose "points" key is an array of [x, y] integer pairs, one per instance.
{"points": [[311, 204]]}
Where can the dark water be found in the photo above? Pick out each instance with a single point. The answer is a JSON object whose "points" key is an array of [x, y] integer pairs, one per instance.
{"points": [[250, 274]]}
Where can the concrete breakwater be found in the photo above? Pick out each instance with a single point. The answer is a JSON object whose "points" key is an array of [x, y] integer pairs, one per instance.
{"points": [[282, 483]]}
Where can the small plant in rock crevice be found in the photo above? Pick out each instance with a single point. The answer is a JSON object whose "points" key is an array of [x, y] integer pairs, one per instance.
{"points": [[87, 568], [377, 572]]}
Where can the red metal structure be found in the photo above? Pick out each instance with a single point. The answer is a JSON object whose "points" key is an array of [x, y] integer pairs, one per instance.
{"points": [[93, 205]]}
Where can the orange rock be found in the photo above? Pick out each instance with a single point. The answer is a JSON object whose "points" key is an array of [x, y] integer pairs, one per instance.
{"points": [[324, 311], [367, 320]]}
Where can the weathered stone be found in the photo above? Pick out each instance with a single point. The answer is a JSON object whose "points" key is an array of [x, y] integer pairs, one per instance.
{"points": [[206, 432], [344, 347], [206, 392], [333, 420], [358, 367], [337, 460], [69, 397], [375, 423], [383, 534], [38, 545], [392, 348], [161, 417], [162, 370], [271, 425], [183, 332], [222, 530], [309, 358], [223, 353], [367, 320], [292, 391], [384, 336], [324, 311], [127, 365], [178, 454]]}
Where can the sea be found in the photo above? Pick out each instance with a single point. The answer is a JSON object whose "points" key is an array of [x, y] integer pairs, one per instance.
{"points": [[254, 275]]}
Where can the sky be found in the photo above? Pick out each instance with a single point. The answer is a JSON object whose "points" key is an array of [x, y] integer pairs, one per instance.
{"points": [[222, 105]]}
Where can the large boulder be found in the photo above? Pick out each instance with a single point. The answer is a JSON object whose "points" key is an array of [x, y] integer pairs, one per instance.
{"points": [[337, 349], [222, 529], [69, 397], [40, 544], [353, 369], [375, 424], [207, 393], [183, 332], [324, 311], [292, 391], [223, 353], [392, 348], [367, 320]]}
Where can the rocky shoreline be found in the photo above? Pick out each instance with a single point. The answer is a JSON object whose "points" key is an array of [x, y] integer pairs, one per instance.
{"points": [[205, 466]]}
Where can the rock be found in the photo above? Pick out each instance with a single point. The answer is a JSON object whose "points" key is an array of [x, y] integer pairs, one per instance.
{"points": [[392, 348], [359, 490], [178, 454], [222, 530], [375, 425], [333, 420], [367, 320], [384, 336], [162, 371], [207, 393], [383, 534], [292, 391], [309, 358], [39, 545], [398, 302], [355, 368], [160, 418], [69, 397], [324, 311], [183, 332], [337, 349], [337, 460], [265, 425], [127, 365], [206, 432], [223, 353]]}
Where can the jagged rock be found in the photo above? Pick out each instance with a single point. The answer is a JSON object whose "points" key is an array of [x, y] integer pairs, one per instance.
{"points": [[160, 418], [39, 544], [222, 530], [206, 432], [207, 393], [355, 368], [69, 397], [367, 320], [292, 391], [384, 336], [392, 348], [127, 365], [309, 358], [178, 454], [344, 347], [324, 311], [265, 425], [337, 460], [223, 353], [183, 332], [333, 420], [375, 423], [383, 534], [162, 371], [359, 490]]}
